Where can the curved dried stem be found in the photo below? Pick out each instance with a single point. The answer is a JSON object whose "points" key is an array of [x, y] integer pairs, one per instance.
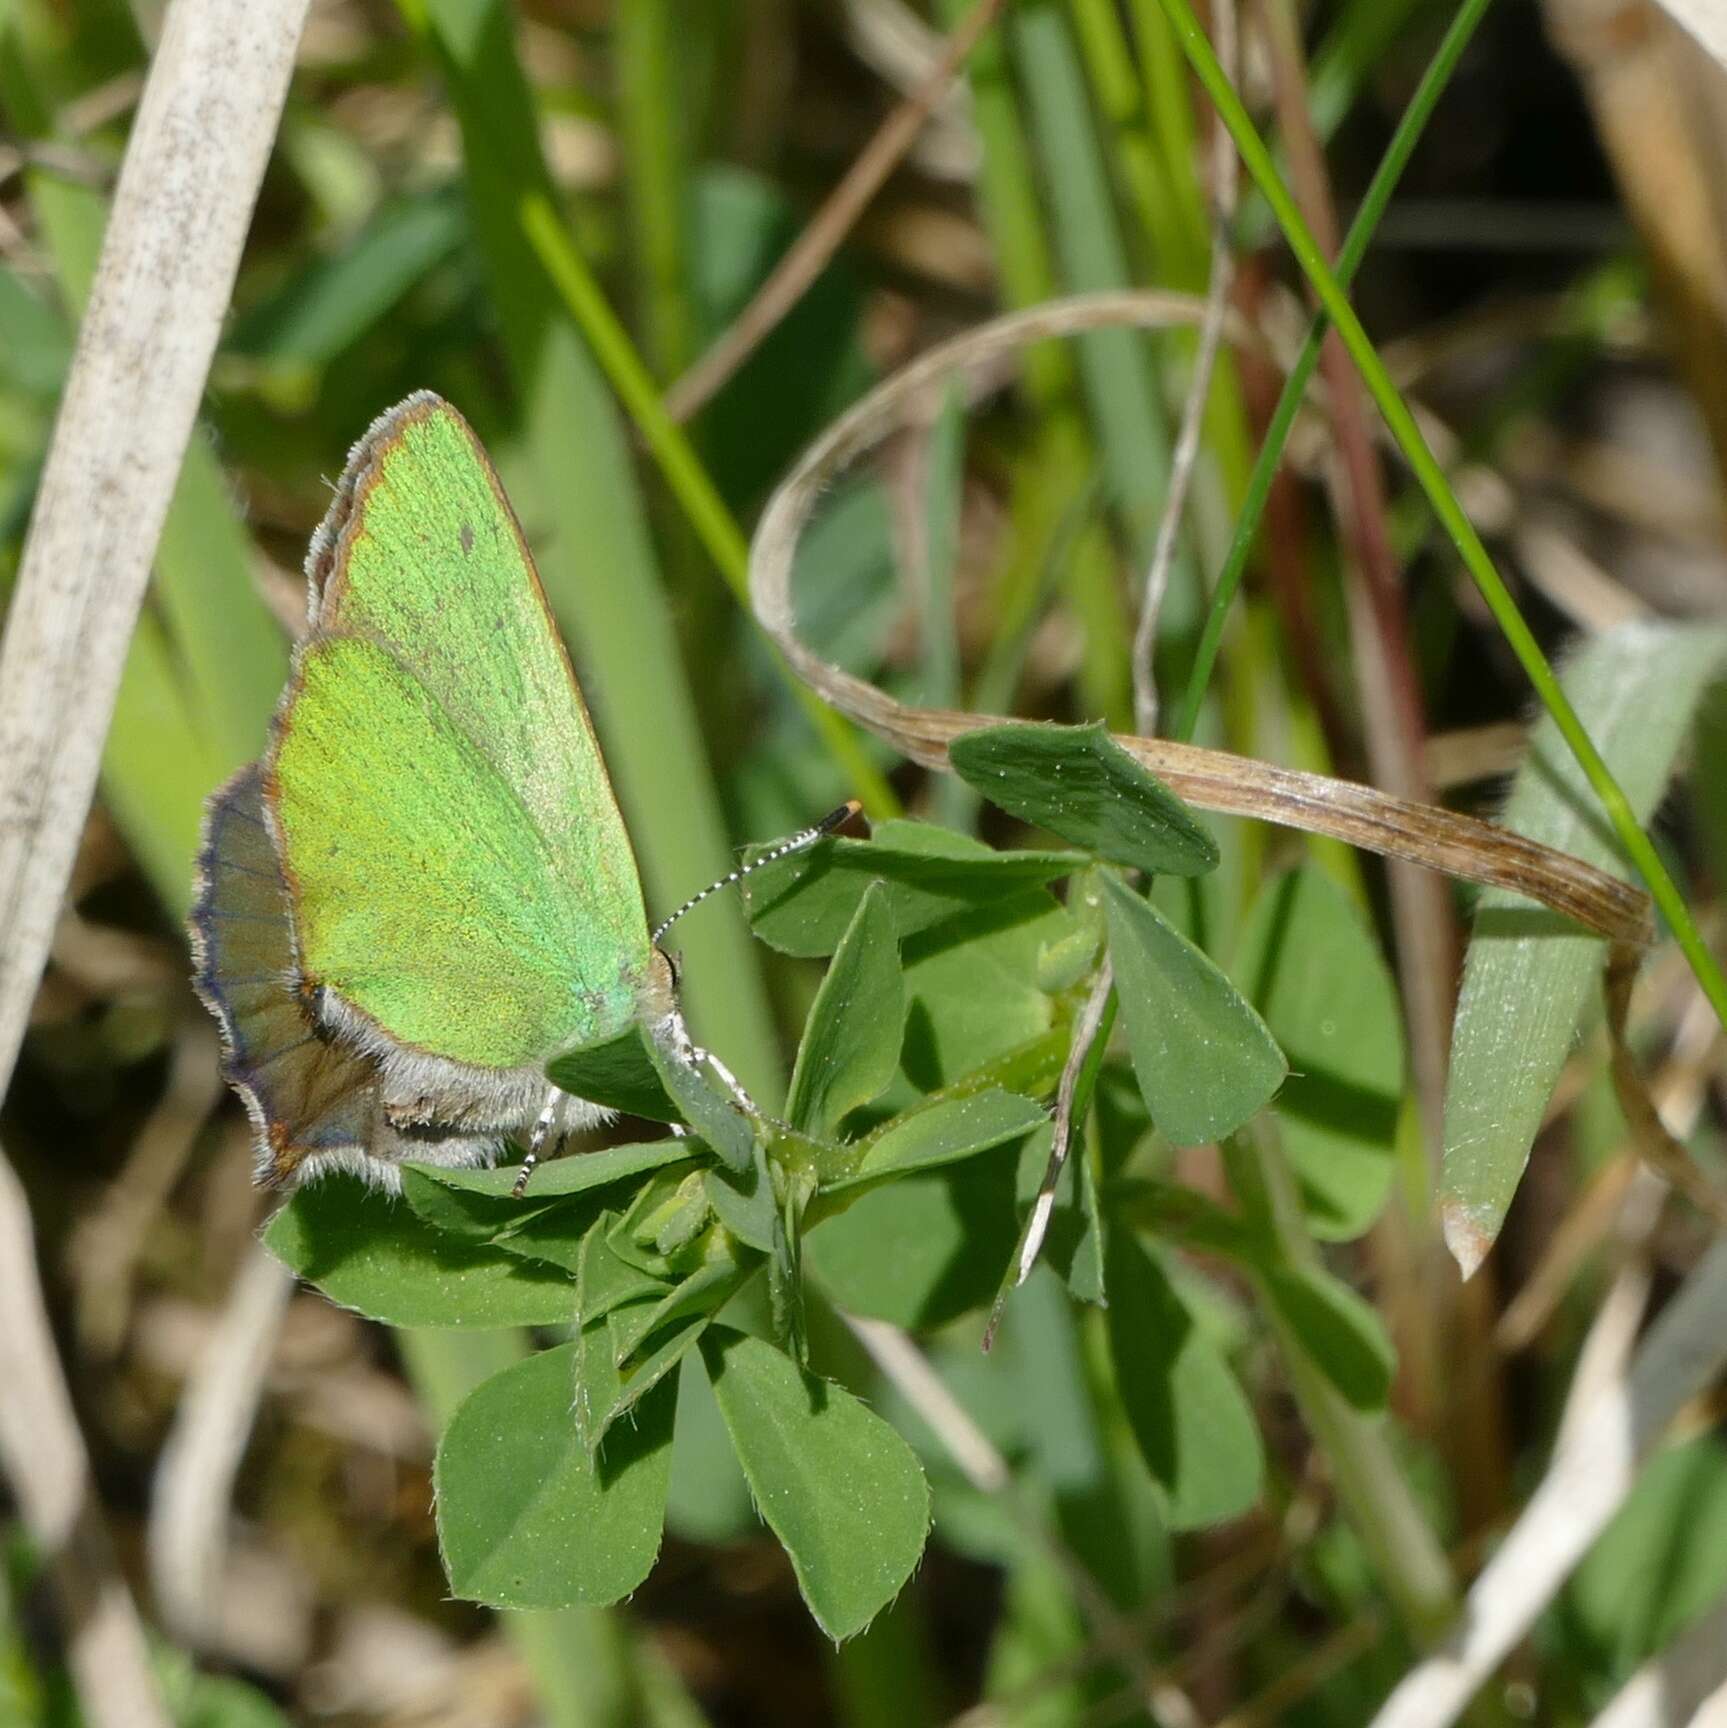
{"points": [[1198, 391], [1659, 1148], [1438, 839]]}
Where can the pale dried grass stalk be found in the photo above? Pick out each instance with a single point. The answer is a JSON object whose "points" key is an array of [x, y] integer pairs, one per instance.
{"points": [[1585, 1485], [43, 1456], [181, 208], [1423, 834]]}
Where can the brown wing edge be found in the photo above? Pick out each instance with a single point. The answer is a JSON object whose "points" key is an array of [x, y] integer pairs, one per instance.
{"points": [[316, 1102], [324, 552], [307, 1096]]}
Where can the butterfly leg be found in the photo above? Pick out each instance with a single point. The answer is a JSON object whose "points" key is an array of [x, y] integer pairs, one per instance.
{"points": [[543, 1124], [694, 1055]]}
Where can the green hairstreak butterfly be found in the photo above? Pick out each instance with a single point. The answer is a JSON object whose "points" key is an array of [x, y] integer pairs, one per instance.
{"points": [[424, 891]]}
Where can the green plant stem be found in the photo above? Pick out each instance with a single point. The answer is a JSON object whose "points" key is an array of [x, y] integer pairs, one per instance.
{"points": [[652, 118], [1355, 244], [568, 273], [1404, 1552], [1431, 476]]}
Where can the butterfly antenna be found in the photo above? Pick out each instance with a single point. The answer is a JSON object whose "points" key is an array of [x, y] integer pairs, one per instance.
{"points": [[806, 837]]}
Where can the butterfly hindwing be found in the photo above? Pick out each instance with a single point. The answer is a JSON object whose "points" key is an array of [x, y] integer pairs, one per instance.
{"points": [[313, 1101]]}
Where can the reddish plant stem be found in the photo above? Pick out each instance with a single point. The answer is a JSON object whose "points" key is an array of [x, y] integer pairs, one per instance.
{"points": [[1385, 664], [1396, 730]]}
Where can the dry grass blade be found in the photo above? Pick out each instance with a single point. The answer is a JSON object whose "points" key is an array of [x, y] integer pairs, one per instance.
{"points": [[43, 1455], [1423, 834], [827, 229], [1586, 1483], [191, 174], [189, 1509]]}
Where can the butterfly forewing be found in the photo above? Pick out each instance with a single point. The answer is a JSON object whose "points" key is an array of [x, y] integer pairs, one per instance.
{"points": [[460, 870]]}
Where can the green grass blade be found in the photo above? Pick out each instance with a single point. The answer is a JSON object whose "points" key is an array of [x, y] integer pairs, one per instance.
{"points": [[157, 766], [1445, 506], [232, 651], [1115, 365], [653, 112], [1530, 976], [1355, 244]]}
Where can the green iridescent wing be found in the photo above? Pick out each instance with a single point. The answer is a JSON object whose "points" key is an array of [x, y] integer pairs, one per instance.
{"points": [[459, 870]]}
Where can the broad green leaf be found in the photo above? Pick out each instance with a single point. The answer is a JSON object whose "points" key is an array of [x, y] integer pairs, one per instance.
{"points": [[922, 1250], [620, 1074], [1195, 1427], [369, 1251], [1077, 782], [1529, 973], [526, 1518], [605, 1280], [943, 1133], [851, 1041], [836, 1484], [1342, 1333], [745, 1202], [1310, 965], [973, 990], [1204, 1060], [804, 904]]}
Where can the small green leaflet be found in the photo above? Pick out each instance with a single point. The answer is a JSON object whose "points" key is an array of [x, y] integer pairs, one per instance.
{"points": [[851, 1040], [841, 1490], [367, 1251], [1204, 1059], [1077, 782], [527, 1517]]}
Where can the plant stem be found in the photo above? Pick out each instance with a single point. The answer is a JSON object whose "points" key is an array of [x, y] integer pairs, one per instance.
{"points": [[1431, 477], [1355, 244], [568, 273]]}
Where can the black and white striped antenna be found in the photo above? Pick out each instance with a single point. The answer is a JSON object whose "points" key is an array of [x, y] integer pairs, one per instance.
{"points": [[805, 837]]}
